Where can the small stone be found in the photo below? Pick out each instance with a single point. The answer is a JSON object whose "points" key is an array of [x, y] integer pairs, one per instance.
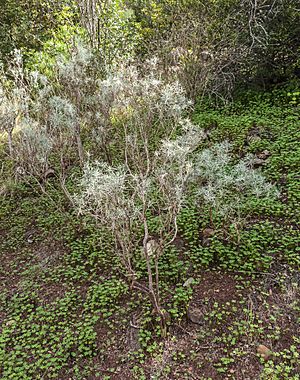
{"points": [[258, 162], [189, 282], [264, 155], [152, 247], [195, 315], [207, 233], [3, 190], [253, 139], [10, 322], [30, 239], [20, 170], [264, 352]]}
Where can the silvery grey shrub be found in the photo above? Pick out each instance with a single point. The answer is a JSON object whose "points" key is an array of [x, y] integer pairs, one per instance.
{"points": [[155, 170], [123, 198], [33, 147], [226, 185]]}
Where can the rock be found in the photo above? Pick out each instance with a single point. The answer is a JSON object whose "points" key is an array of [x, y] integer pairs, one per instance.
{"points": [[152, 247], [178, 243], [264, 155], [20, 170], [253, 138], [207, 233], [189, 282], [195, 315], [260, 158], [264, 352], [258, 162], [11, 322], [29, 235]]}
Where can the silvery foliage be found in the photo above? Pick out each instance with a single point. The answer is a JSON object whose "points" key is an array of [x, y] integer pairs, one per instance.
{"points": [[62, 114], [42, 91], [68, 107], [14, 98], [127, 89], [8, 111], [61, 107], [136, 101], [176, 166], [104, 194], [115, 196], [177, 150], [143, 102], [225, 185], [72, 71], [33, 147]]}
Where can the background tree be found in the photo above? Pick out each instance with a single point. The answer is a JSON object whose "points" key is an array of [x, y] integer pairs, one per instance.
{"points": [[217, 45], [26, 25], [111, 29]]}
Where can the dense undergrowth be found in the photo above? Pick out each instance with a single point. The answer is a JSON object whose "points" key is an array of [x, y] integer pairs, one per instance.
{"points": [[66, 311]]}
